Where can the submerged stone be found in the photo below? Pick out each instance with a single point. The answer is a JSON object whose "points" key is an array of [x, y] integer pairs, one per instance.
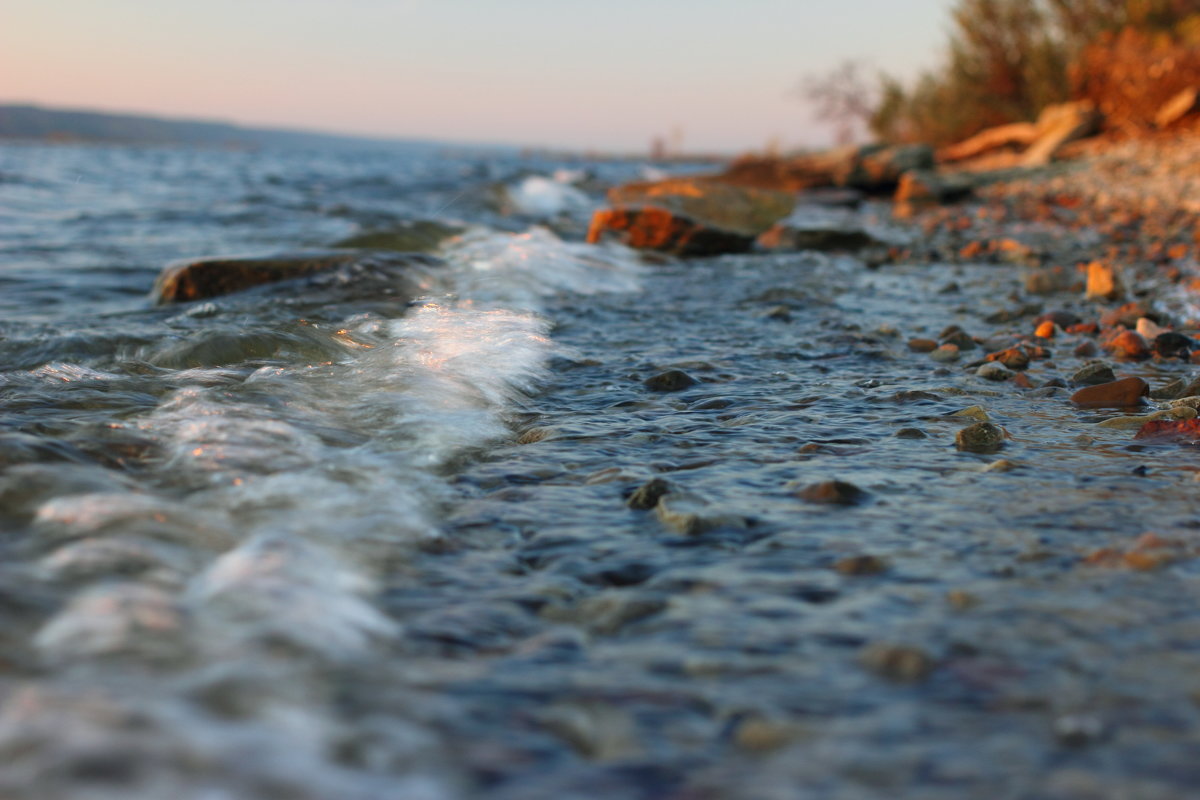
{"points": [[839, 493], [646, 496], [673, 380]]}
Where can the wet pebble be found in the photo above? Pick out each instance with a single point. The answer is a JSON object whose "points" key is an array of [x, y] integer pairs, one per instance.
{"points": [[839, 493], [982, 437], [1092, 373], [911, 433], [945, 354], [994, 371]]}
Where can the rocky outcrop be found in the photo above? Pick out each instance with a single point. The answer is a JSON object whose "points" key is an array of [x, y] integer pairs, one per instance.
{"points": [[205, 278], [870, 168], [689, 216]]}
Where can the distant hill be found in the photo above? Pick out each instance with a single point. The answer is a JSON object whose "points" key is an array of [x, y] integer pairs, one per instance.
{"points": [[31, 122]]}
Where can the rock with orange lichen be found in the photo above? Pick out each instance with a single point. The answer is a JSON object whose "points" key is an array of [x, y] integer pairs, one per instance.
{"points": [[689, 216], [1115, 394], [651, 228], [1013, 358]]}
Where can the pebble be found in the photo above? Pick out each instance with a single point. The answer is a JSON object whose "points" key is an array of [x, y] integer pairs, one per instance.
{"points": [[690, 515], [1086, 349], [1115, 394], [994, 371], [957, 336], [1046, 330], [1013, 357], [897, 662], [1093, 373], [922, 345], [911, 433], [673, 380], [977, 413], [982, 437], [1102, 282], [946, 353]]}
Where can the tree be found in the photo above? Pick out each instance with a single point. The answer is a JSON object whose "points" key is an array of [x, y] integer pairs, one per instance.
{"points": [[843, 97]]}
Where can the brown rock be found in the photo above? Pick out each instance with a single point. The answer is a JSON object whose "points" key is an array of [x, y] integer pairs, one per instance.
{"points": [[1128, 345], [1117, 394], [212, 277], [922, 345], [1013, 357], [672, 380]]}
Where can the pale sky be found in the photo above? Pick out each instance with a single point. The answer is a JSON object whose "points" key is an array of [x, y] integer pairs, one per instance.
{"points": [[608, 75]]}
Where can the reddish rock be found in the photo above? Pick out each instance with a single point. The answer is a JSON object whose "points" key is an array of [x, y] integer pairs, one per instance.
{"points": [[837, 493], [651, 228], [1089, 328], [1022, 380], [1013, 357], [1086, 349], [1115, 394], [1184, 431], [922, 345], [1129, 345]]}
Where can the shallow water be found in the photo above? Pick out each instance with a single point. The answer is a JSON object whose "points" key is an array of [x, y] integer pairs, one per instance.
{"points": [[340, 544]]}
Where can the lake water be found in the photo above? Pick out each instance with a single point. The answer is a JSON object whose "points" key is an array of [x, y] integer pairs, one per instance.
{"points": [[333, 543]]}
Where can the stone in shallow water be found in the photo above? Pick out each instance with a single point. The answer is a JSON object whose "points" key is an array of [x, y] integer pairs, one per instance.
{"points": [[651, 228], [840, 493], [1093, 373], [1115, 394], [897, 662], [982, 437], [646, 496], [405, 237], [201, 279], [673, 380]]}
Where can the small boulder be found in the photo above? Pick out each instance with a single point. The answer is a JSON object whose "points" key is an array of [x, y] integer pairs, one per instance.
{"points": [[651, 228], [993, 371], [982, 437], [1129, 346], [1116, 394], [184, 281]]}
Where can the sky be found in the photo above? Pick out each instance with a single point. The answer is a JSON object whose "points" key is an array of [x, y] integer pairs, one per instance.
{"points": [[711, 75]]}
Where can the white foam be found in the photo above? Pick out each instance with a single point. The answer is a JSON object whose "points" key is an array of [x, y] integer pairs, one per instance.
{"points": [[543, 198]]}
